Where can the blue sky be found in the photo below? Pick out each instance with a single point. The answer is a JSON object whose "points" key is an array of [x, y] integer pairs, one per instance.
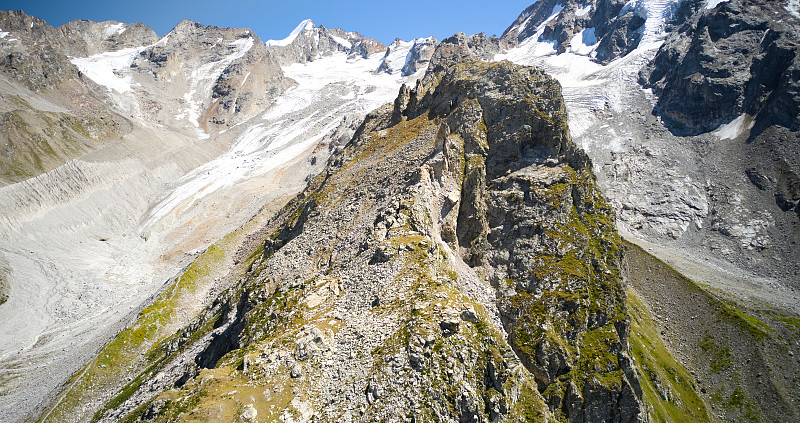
{"points": [[382, 20]]}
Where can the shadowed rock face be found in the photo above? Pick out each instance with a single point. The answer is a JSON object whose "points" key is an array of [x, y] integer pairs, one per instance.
{"points": [[454, 262], [738, 59], [615, 24]]}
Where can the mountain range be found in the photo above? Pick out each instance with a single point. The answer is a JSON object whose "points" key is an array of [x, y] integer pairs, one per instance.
{"points": [[593, 217]]}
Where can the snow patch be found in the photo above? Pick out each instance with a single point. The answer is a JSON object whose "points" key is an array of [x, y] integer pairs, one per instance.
{"points": [[710, 4], [734, 128], [583, 43], [3, 34], [243, 45], [793, 7], [306, 24], [163, 41], [342, 41], [524, 25], [106, 68], [584, 10], [115, 29]]}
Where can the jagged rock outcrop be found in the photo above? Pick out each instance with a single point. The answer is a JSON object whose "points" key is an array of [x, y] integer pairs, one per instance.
{"points": [[461, 47], [616, 25], [471, 274], [307, 42], [537, 257], [223, 82]]}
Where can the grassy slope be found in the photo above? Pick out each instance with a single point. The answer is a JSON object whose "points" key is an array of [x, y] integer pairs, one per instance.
{"points": [[737, 353], [138, 351], [35, 141], [669, 388]]}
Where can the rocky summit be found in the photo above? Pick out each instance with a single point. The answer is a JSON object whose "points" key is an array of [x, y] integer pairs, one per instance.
{"points": [[592, 217]]}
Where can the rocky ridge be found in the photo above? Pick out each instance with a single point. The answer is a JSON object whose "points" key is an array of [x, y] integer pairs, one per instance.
{"points": [[391, 284], [307, 42]]}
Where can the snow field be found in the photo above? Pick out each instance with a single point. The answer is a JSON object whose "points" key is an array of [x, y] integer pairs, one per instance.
{"points": [[304, 25], [328, 88], [115, 29], [104, 68]]}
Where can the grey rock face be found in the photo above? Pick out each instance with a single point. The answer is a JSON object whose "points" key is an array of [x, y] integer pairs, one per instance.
{"points": [[34, 52], [319, 41], [91, 38], [739, 57], [225, 72], [615, 24], [420, 55], [738, 60], [461, 47]]}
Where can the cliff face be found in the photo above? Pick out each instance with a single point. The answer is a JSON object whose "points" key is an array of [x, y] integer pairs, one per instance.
{"points": [[616, 26], [737, 65], [454, 262], [739, 57], [213, 77]]}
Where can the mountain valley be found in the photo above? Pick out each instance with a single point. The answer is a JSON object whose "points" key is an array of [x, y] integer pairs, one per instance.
{"points": [[592, 217]]}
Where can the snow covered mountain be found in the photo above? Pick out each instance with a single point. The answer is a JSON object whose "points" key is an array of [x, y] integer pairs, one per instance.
{"points": [[140, 171]]}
